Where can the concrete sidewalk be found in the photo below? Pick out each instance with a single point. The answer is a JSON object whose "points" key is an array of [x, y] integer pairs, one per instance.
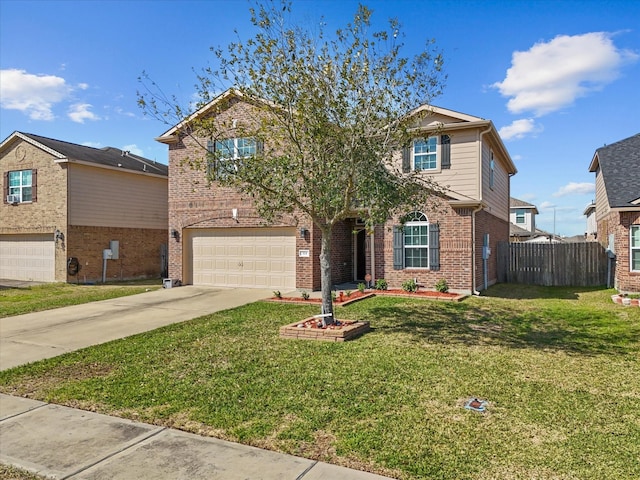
{"points": [[65, 443]]}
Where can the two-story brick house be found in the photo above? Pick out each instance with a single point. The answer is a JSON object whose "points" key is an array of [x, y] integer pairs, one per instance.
{"points": [[63, 204], [218, 239], [617, 208]]}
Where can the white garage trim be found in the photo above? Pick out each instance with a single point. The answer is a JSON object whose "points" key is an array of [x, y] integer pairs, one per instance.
{"points": [[28, 257], [243, 257]]}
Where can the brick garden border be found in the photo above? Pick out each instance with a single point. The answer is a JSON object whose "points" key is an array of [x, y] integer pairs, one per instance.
{"points": [[347, 331]]}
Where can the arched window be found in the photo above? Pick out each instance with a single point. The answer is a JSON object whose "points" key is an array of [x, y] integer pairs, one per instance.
{"points": [[416, 243]]}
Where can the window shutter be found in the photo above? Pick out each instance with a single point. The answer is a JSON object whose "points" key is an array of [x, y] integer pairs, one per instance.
{"points": [[398, 247], [6, 188], [434, 246], [211, 158], [406, 160], [259, 147], [445, 148], [34, 185]]}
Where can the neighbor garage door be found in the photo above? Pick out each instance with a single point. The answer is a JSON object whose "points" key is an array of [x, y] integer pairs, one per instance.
{"points": [[27, 257], [245, 257]]}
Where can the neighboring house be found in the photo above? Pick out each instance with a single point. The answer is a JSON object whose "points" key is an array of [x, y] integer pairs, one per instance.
{"points": [[591, 232], [522, 216], [218, 239], [64, 204], [617, 168]]}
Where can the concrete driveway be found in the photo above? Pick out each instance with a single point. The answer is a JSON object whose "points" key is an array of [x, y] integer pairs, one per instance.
{"points": [[35, 336]]}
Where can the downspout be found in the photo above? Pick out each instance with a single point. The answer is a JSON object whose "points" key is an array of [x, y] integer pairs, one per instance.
{"points": [[474, 289]]}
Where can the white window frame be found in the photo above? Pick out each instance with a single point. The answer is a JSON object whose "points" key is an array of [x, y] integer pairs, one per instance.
{"points": [[417, 220], [229, 150], [19, 189], [634, 248], [425, 142], [521, 216]]}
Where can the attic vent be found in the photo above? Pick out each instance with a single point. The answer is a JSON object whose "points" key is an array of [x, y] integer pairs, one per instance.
{"points": [[125, 153]]}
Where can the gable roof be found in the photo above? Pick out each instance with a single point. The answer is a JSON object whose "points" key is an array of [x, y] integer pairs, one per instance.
{"points": [[617, 162], [462, 120], [516, 203], [104, 157]]}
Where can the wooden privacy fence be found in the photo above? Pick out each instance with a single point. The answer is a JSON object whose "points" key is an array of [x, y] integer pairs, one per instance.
{"points": [[558, 264]]}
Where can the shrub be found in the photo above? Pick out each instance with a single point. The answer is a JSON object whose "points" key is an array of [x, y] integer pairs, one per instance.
{"points": [[305, 295], [277, 294], [347, 293], [361, 287], [410, 286], [381, 284], [442, 286]]}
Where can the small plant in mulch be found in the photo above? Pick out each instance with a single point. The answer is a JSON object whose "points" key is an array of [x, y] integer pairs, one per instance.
{"points": [[305, 295], [361, 287], [381, 284], [277, 294], [410, 286], [442, 286], [347, 293]]}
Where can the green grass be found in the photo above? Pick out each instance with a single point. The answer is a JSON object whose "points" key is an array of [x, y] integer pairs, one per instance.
{"points": [[16, 301], [11, 473], [559, 367]]}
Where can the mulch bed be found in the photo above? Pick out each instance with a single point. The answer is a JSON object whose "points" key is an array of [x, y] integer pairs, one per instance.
{"points": [[356, 296]]}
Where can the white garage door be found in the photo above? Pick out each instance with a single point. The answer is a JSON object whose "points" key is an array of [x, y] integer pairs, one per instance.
{"points": [[27, 257], [245, 257]]}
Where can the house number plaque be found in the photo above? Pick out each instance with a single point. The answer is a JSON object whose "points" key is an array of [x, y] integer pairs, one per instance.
{"points": [[303, 253]]}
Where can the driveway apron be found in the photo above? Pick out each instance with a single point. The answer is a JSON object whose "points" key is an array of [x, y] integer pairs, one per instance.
{"points": [[36, 336]]}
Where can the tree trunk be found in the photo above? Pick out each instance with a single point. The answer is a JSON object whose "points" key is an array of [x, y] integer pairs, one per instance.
{"points": [[325, 275]]}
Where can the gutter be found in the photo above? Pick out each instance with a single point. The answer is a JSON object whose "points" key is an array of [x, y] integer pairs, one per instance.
{"points": [[474, 289]]}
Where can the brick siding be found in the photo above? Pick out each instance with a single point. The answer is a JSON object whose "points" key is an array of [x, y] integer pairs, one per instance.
{"points": [[619, 224]]}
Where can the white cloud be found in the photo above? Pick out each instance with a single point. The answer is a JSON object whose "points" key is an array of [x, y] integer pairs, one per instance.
{"points": [[551, 75], [133, 149], [519, 129], [574, 188], [546, 205], [34, 95], [92, 144], [79, 112]]}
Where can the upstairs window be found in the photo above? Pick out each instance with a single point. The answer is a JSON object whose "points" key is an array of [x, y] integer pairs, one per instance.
{"points": [[20, 186], [634, 245], [427, 154], [520, 215], [226, 154]]}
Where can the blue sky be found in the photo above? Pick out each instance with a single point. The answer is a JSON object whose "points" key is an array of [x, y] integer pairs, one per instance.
{"points": [[559, 79]]}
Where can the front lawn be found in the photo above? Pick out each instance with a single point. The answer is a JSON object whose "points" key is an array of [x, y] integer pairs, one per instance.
{"points": [[560, 369], [17, 301]]}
